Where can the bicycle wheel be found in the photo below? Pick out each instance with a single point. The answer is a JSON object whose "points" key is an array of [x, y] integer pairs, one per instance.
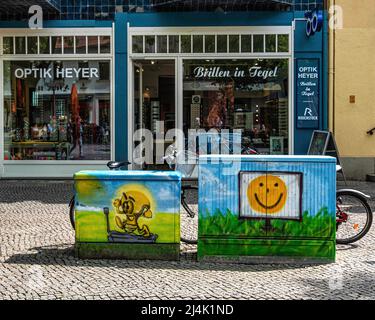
{"points": [[190, 212], [71, 213], [353, 217]]}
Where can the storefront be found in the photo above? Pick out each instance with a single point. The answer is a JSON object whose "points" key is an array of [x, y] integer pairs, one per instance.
{"points": [[74, 98], [257, 73], [205, 79], [57, 100]]}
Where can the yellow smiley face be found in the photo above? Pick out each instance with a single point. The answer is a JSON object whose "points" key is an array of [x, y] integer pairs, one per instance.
{"points": [[267, 194]]}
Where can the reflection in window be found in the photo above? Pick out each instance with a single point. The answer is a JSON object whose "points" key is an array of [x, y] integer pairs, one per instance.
{"points": [[234, 43], [137, 44], [270, 43], [149, 44], [8, 45], [222, 43], [162, 44], [258, 41], [283, 43], [247, 95], [246, 43], [198, 44], [81, 45], [92, 45], [210, 46], [185, 44], [20, 45], [51, 117], [68, 45], [104, 70], [105, 44], [44, 45], [32, 45], [174, 44], [57, 45]]}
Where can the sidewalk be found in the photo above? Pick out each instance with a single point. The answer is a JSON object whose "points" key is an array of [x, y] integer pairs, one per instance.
{"points": [[37, 261]]}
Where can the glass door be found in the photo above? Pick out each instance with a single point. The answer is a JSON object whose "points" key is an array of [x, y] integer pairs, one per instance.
{"points": [[154, 112], [246, 96]]}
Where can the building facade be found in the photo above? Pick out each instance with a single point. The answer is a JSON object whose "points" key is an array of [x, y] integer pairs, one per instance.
{"points": [[75, 93], [352, 111]]}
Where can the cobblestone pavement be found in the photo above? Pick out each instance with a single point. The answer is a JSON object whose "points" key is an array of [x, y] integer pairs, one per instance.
{"points": [[37, 261]]}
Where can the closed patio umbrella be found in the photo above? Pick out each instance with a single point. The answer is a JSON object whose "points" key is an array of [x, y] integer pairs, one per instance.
{"points": [[74, 101]]}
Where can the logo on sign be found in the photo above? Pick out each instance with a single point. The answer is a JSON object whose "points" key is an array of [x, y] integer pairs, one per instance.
{"points": [[308, 112], [314, 22], [308, 115]]}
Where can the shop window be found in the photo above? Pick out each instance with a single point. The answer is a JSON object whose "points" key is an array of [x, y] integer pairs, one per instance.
{"points": [[246, 43], [59, 111], [210, 43], [162, 44], [57, 45], [250, 96], [68, 45], [283, 43], [222, 43], [137, 44], [174, 44], [44, 45], [105, 44], [198, 44], [149, 44], [270, 43], [258, 43], [32, 45], [234, 43], [216, 44], [104, 70], [81, 45], [92, 45], [81, 65], [20, 45], [8, 45], [185, 44]]}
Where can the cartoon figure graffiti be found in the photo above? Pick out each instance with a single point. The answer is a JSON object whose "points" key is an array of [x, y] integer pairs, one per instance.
{"points": [[133, 205]]}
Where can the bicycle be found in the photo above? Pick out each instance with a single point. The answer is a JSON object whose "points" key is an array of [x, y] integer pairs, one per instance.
{"points": [[353, 216]]}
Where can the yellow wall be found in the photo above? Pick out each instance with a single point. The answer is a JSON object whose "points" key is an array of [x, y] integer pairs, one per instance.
{"points": [[352, 61]]}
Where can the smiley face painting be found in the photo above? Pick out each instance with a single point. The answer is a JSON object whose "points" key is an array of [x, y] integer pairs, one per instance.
{"points": [[267, 194], [270, 195]]}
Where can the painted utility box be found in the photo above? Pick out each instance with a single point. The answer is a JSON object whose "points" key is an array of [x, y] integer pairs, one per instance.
{"points": [[267, 208], [128, 214]]}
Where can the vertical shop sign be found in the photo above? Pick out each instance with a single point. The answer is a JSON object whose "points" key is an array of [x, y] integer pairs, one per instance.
{"points": [[308, 82]]}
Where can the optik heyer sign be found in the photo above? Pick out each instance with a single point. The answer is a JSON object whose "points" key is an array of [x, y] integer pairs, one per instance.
{"points": [[63, 73], [308, 98]]}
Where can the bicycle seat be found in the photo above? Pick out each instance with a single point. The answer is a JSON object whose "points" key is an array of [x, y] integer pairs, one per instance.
{"points": [[117, 165]]}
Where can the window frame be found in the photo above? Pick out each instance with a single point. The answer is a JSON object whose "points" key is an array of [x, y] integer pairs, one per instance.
{"points": [[58, 57]]}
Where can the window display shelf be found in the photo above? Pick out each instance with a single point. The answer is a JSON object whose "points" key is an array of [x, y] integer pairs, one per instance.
{"points": [[39, 150]]}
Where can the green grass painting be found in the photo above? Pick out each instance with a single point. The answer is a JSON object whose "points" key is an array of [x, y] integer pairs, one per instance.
{"points": [[229, 224], [91, 226], [224, 234]]}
